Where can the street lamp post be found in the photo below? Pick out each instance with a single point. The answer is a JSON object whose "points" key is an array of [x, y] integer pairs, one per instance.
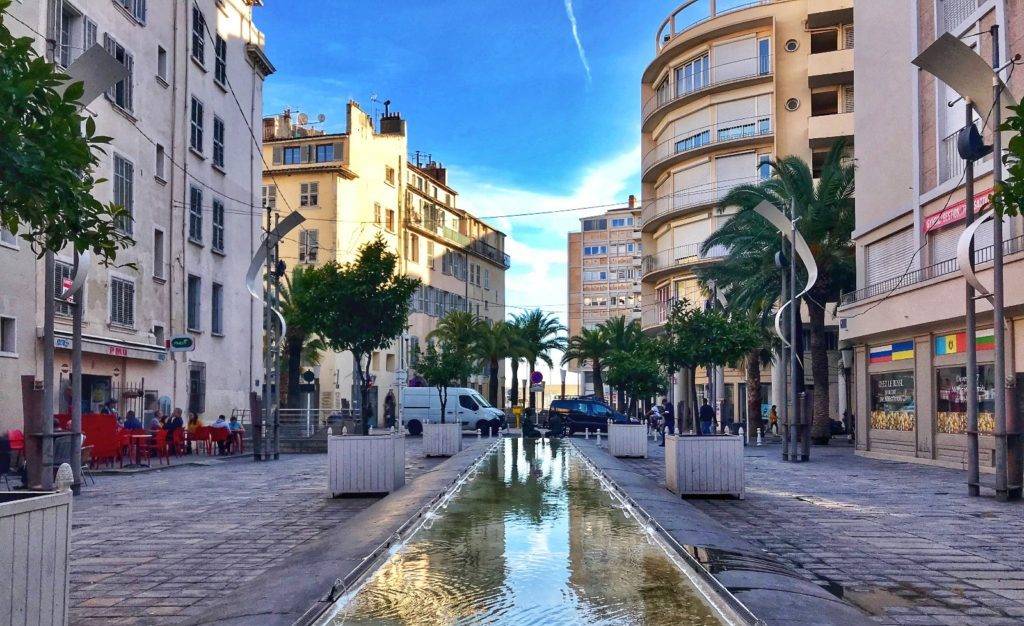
{"points": [[563, 372]]}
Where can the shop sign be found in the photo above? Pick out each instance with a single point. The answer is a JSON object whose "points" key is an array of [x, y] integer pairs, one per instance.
{"points": [[892, 401], [956, 212], [956, 343], [899, 351], [64, 343], [117, 351], [182, 343]]}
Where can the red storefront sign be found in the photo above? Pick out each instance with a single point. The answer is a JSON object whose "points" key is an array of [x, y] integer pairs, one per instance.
{"points": [[956, 212]]}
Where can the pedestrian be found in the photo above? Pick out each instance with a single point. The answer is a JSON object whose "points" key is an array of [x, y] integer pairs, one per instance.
{"points": [[670, 417], [707, 418], [389, 409], [729, 424], [773, 420]]}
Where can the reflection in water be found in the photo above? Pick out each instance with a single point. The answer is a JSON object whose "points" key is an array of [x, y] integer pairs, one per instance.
{"points": [[533, 539]]}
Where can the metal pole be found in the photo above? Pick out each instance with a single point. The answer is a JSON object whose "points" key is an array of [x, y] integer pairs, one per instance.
{"points": [[1004, 491], [794, 420], [276, 347], [45, 481], [973, 484], [258, 449], [76, 386], [783, 364]]}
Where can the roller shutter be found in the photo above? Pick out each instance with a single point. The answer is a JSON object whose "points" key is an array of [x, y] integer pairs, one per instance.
{"points": [[889, 257]]}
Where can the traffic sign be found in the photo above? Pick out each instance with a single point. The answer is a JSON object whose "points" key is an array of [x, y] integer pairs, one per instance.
{"points": [[538, 388], [536, 378], [181, 343]]}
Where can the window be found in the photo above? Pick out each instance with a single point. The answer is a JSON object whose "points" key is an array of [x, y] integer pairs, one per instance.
{"points": [[825, 102], [194, 303], [595, 224], [218, 141], [269, 193], [7, 238], [220, 65], [487, 278], [825, 41], [292, 155], [8, 336], [620, 222], [158, 335], [764, 169], [430, 254], [217, 312], [390, 223], [950, 163], [309, 194], [195, 215], [161, 158], [764, 60], [468, 403], [664, 92], [325, 152], [124, 196], [309, 245], [121, 93], [593, 275], [693, 76], [414, 248], [377, 219], [135, 8], [196, 128], [389, 175], [954, 12], [61, 274], [158, 254], [847, 98], [593, 250], [218, 225], [197, 387], [122, 302], [198, 36], [696, 140], [161, 63]]}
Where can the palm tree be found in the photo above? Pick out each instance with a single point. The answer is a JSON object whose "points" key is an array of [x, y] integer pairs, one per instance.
{"points": [[516, 353], [590, 345], [495, 341], [540, 334], [301, 346], [826, 221], [459, 331], [622, 336]]}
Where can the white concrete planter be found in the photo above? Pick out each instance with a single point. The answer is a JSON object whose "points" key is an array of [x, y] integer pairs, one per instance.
{"points": [[627, 440], [365, 463], [706, 465], [35, 534], [442, 439]]}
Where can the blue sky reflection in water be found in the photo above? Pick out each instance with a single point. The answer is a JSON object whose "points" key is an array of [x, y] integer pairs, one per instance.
{"points": [[532, 539]]}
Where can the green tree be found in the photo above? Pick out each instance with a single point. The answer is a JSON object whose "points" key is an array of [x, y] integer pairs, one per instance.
{"points": [[442, 365], [621, 335], [495, 342], [637, 371], [458, 329], [1008, 196], [541, 334], [301, 345], [517, 352], [48, 151], [825, 219], [364, 306], [592, 346]]}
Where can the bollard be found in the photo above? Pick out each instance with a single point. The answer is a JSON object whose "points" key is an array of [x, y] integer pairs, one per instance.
{"points": [[330, 431], [743, 435], [65, 477], [586, 433], [344, 430], [478, 433], [598, 438], [760, 441]]}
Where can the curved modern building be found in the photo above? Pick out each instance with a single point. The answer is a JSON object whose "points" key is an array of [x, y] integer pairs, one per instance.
{"points": [[732, 85]]}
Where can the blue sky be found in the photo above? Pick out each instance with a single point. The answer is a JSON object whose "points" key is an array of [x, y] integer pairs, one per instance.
{"points": [[497, 90]]}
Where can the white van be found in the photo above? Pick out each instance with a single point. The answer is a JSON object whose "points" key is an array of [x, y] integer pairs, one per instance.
{"points": [[421, 405]]}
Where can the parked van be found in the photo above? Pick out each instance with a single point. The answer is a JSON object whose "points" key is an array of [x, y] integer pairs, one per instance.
{"points": [[420, 405]]}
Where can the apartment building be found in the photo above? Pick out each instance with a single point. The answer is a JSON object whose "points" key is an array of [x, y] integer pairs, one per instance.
{"points": [[731, 87], [357, 185], [905, 323], [604, 274], [184, 164]]}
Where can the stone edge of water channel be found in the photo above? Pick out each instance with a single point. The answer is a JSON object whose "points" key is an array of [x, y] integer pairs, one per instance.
{"points": [[780, 596], [297, 586]]}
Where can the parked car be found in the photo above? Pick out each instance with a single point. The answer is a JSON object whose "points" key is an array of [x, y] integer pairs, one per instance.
{"points": [[420, 405], [582, 414]]}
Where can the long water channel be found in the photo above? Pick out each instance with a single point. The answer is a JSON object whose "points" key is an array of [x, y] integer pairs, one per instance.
{"points": [[532, 538]]}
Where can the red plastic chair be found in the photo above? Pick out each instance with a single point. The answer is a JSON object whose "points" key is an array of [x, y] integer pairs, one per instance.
{"points": [[156, 446], [102, 432], [218, 436], [178, 441], [201, 440]]}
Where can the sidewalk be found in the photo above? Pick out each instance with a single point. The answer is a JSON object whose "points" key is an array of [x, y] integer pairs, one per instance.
{"points": [[160, 547], [902, 541]]}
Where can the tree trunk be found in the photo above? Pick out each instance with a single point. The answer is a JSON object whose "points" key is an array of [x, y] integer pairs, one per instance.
{"points": [[821, 426], [492, 391], [753, 367], [364, 414], [442, 396], [598, 380], [515, 382], [621, 393], [294, 350], [533, 396], [693, 400]]}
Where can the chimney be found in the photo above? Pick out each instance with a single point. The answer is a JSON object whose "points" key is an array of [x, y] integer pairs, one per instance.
{"points": [[632, 201], [437, 171], [392, 124]]}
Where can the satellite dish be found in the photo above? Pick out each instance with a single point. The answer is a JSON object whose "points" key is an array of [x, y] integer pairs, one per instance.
{"points": [[321, 118], [303, 119]]}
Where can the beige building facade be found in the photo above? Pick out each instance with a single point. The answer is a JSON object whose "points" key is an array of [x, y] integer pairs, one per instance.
{"points": [[184, 163], [727, 91], [358, 185], [905, 323], [603, 274]]}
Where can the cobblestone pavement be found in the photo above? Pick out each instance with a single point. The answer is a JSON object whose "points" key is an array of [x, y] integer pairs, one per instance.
{"points": [[900, 540], [154, 548]]}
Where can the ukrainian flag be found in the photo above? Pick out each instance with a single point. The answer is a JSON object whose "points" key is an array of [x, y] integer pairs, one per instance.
{"points": [[903, 350]]}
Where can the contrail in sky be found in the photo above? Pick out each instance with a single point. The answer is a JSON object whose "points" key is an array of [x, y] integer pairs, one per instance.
{"points": [[576, 36]]}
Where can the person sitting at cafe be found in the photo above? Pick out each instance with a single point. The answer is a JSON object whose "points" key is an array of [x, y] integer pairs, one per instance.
{"points": [[221, 422], [131, 422], [172, 425], [236, 432], [192, 427]]}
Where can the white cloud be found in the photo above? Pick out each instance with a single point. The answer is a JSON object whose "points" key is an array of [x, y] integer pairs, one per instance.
{"points": [[576, 37]]}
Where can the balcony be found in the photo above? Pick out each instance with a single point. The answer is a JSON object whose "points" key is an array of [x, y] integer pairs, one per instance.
{"points": [[694, 143], [830, 68], [829, 12], [718, 78], [476, 246], [657, 211], [693, 13], [682, 257], [653, 316], [822, 130]]}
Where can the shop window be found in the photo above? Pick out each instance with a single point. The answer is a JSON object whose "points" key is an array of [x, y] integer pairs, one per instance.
{"points": [[951, 400], [892, 401]]}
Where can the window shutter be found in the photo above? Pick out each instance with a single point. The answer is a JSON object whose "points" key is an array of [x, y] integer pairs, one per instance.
{"points": [[339, 151], [278, 155], [307, 155], [734, 59], [888, 258], [942, 244]]}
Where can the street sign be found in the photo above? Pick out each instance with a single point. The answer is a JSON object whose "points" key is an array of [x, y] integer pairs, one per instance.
{"points": [[401, 377], [538, 388], [181, 343], [536, 378]]}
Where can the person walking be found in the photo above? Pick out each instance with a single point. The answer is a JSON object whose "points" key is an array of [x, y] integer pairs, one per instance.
{"points": [[729, 424], [707, 418], [670, 417], [389, 409], [773, 420]]}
